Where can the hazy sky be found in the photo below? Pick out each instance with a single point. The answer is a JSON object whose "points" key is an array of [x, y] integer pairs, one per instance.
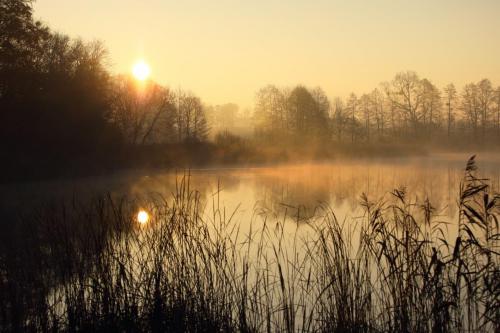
{"points": [[224, 50]]}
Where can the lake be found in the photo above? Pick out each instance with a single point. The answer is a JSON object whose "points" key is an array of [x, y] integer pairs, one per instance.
{"points": [[263, 229], [299, 194], [294, 190]]}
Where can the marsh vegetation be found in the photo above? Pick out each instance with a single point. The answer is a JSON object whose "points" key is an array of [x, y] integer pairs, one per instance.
{"points": [[89, 266]]}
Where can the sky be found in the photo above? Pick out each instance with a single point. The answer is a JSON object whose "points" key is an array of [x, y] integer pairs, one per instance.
{"points": [[224, 50]]}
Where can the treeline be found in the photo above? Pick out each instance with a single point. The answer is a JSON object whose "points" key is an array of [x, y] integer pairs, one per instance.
{"points": [[62, 110], [407, 109], [147, 113]]}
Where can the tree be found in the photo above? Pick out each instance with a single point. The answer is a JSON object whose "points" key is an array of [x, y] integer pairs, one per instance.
{"points": [[450, 96], [340, 118], [365, 105], [377, 100], [470, 108], [54, 97], [270, 111], [485, 99], [307, 115], [394, 114], [321, 112], [200, 124], [190, 120], [144, 113], [22, 42], [352, 107], [53, 90], [431, 107], [405, 92]]}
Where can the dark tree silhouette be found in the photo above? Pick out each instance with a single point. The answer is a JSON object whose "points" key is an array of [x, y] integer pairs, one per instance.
{"points": [[53, 97]]}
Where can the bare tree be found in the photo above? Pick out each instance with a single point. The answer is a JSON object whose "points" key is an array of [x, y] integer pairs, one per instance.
{"points": [[340, 117], [321, 112], [270, 110], [365, 105], [352, 106], [406, 95], [485, 99], [450, 96], [470, 107], [190, 120], [407, 108], [431, 107], [377, 100], [139, 110]]}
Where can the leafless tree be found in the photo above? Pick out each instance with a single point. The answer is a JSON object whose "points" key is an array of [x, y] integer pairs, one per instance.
{"points": [[470, 107], [406, 95], [352, 106], [143, 113], [485, 99], [450, 96]]}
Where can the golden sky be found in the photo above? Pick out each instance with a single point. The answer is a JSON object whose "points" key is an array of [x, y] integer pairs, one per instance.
{"points": [[224, 50]]}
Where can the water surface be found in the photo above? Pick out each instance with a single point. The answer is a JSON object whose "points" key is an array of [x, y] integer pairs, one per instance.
{"points": [[294, 190]]}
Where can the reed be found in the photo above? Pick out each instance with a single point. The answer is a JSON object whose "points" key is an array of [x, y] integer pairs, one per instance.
{"points": [[88, 266]]}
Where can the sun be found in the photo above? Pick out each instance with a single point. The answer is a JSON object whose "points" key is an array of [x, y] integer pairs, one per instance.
{"points": [[142, 217], [141, 70]]}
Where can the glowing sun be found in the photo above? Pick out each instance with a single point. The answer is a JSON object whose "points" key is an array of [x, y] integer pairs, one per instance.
{"points": [[142, 217], [141, 70]]}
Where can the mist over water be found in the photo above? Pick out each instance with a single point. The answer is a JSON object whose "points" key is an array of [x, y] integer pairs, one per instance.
{"points": [[295, 190]]}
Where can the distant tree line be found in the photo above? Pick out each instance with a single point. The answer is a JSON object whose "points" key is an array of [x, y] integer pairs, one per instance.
{"points": [[230, 118], [406, 109], [291, 114]]}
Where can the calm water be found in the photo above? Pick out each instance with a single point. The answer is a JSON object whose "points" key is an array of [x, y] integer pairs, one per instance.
{"points": [[294, 190]]}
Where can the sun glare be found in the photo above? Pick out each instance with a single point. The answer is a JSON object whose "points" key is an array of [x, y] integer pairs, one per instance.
{"points": [[141, 70], [142, 217]]}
